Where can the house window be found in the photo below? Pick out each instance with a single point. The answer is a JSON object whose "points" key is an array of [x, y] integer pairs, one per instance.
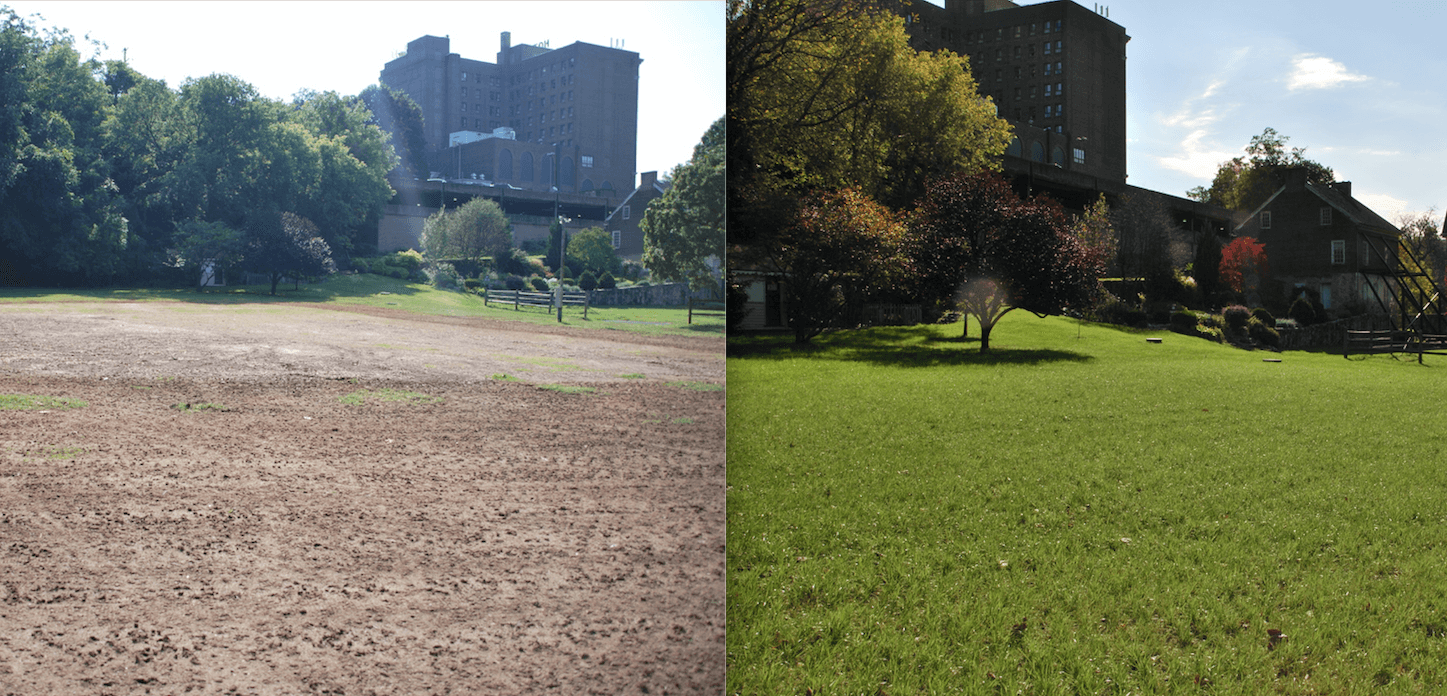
{"points": [[1265, 219], [617, 239], [1338, 252], [1325, 217], [626, 211]]}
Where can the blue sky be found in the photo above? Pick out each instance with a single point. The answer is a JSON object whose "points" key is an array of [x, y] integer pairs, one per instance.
{"points": [[1358, 84], [284, 47]]}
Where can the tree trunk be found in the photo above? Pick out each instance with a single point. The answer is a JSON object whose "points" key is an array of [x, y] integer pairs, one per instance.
{"points": [[985, 335]]}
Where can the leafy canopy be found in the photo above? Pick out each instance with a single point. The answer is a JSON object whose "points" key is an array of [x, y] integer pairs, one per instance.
{"points": [[1244, 183], [686, 225]]}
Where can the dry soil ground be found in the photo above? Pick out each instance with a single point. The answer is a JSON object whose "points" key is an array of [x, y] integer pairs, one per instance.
{"points": [[281, 500]]}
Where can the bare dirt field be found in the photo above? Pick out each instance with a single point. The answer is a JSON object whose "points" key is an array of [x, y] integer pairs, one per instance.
{"points": [[280, 500]]}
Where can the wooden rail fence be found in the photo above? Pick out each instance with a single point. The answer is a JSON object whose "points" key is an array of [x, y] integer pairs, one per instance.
{"points": [[519, 299]]}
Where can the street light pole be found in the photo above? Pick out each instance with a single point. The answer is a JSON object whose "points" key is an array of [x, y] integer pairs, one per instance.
{"points": [[562, 233]]}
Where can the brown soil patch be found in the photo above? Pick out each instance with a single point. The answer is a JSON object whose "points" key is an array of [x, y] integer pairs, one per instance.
{"points": [[492, 537]]}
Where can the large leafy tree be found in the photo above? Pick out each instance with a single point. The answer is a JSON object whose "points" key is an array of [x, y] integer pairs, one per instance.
{"points": [[397, 115], [841, 247], [686, 226], [828, 94], [1244, 266], [1245, 182], [592, 250], [1021, 254], [286, 244], [476, 230], [60, 218]]}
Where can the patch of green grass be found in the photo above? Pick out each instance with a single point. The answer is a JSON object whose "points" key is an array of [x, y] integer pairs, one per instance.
{"points": [[504, 377], [633, 375], [697, 386], [568, 388], [362, 396], [29, 402], [550, 364], [188, 407], [62, 452], [1080, 515]]}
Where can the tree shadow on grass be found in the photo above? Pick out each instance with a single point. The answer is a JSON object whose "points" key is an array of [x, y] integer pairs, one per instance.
{"points": [[895, 346], [335, 287]]}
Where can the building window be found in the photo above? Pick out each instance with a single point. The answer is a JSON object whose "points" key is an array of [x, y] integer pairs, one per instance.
{"points": [[1338, 252], [617, 239], [1079, 156], [464, 107], [1265, 219], [626, 211], [1058, 47], [1048, 90], [525, 166], [1047, 48], [504, 164], [1059, 88], [1048, 111], [464, 122], [1017, 53], [1047, 68], [586, 160], [1326, 217], [1059, 68], [464, 77]]}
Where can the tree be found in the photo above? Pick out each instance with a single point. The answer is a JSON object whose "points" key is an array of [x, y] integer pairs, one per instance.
{"points": [[286, 244], [397, 115], [841, 247], [1206, 267], [1243, 266], [685, 227], [592, 249], [476, 230], [995, 252], [1424, 252], [1150, 241], [1244, 183], [1098, 236], [827, 94], [206, 245]]}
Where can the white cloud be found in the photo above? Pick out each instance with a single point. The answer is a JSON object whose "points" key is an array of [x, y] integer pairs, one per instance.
{"points": [[1195, 159], [1319, 72], [1389, 207]]}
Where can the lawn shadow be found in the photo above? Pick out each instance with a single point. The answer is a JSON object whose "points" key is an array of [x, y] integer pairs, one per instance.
{"points": [[896, 346], [336, 287]]}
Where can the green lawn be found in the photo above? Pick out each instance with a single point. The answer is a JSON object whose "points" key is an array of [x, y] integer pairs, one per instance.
{"points": [[379, 291], [1084, 515]]}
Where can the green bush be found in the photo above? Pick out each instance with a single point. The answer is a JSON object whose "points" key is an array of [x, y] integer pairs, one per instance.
{"points": [[515, 282], [444, 277], [1236, 317], [1264, 315], [539, 284], [1262, 333], [472, 284], [1302, 311], [1184, 322], [607, 281], [411, 260], [587, 281]]}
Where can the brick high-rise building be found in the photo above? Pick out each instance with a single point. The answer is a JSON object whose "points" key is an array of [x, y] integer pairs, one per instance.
{"points": [[1055, 70], [507, 121]]}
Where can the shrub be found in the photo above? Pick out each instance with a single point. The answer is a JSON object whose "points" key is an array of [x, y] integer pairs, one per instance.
{"points": [[444, 277], [1213, 321], [361, 266], [398, 273], [534, 246], [472, 284], [1184, 322], [1262, 333], [1134, 317], [1302, 311], [1264, 315], [607, 281], [1236, 317], [539, 284], [410, 259], [515, 282], [587, 281]]}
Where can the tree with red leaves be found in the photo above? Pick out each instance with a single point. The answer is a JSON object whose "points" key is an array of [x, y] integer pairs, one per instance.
{"points": [[1243, 265], [1004, 253]]}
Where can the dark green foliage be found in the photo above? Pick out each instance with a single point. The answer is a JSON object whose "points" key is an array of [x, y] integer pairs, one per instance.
{"points": [[1302, 312], [515, 262], [1134, 317], [587, 281], [1264, 315], [539, 284], [472, 284], [1184, 322], [1262, 333], [515, 282], [607, 281], [1236, 317], [1206, 267]]}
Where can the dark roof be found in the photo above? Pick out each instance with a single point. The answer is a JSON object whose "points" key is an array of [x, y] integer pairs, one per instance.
{"points": [[1353, 209]]}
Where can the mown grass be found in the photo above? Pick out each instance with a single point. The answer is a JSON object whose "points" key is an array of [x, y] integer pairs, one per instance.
{"points": [[379, 291], [1081, 515]]}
